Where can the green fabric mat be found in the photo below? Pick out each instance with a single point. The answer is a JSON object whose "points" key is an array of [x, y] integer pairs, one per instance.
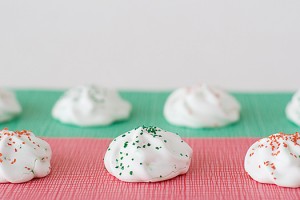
{"points": [[262, 114]]}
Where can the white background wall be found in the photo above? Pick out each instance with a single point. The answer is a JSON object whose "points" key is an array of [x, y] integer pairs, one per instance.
{"points": [[150, 44]]}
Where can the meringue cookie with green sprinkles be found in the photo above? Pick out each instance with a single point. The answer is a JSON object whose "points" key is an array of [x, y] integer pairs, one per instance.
{"points": [[201, 106], [293, 109], [9, 106], [147, 154], [23, 156], [91, 106]]}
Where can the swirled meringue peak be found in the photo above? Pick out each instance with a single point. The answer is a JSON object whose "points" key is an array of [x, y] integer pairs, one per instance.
{"points": [[201, 106], [275, 160], [91, 106], [293, 109], [9, 106], [147, 154], [23, 157]]}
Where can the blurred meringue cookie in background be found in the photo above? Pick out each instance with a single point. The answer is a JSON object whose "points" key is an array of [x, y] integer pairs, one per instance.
{"points": [[91, 106], [201, 106], [23, 156], [293, 109], [9, 106], [275, 160], [147, 154]]}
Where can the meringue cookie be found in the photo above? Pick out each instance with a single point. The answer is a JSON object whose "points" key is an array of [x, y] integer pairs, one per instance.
{"points": [[23, 157], [9, 106], [201, 106], [293, 109], [91, 106], [275, 160], [147, 154]]}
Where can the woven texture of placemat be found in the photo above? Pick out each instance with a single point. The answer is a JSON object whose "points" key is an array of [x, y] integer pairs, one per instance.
{"points": [[216, 172], [261, 115]]}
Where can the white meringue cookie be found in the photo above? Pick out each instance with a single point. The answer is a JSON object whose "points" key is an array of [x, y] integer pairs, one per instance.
{"points": [[9, 106], [275, 160], [91, 106], [201, 106], [23, 157], [147, 154], [293, 109]]}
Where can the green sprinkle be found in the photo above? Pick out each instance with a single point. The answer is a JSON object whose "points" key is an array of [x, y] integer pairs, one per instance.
{"points": [[123, 135], [144, 146], [141, 163], [181, 154], [120, 174], [126, 154], [160, 176], [121, 158], [148, 144], [132, 159], [108, 149], [165, 141], [157, 148], [130, 172], [125, 144], [117, 167]]}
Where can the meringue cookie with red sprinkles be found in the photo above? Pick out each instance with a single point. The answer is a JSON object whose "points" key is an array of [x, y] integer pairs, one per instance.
{"points": [[275, 160], [147, 154], [293, 109], [9, 106], [201, 106], [91, 105], [23, 156]]}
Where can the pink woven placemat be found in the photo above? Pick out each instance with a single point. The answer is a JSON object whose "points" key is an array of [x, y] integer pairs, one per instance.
{"points": [[78, 173]]}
